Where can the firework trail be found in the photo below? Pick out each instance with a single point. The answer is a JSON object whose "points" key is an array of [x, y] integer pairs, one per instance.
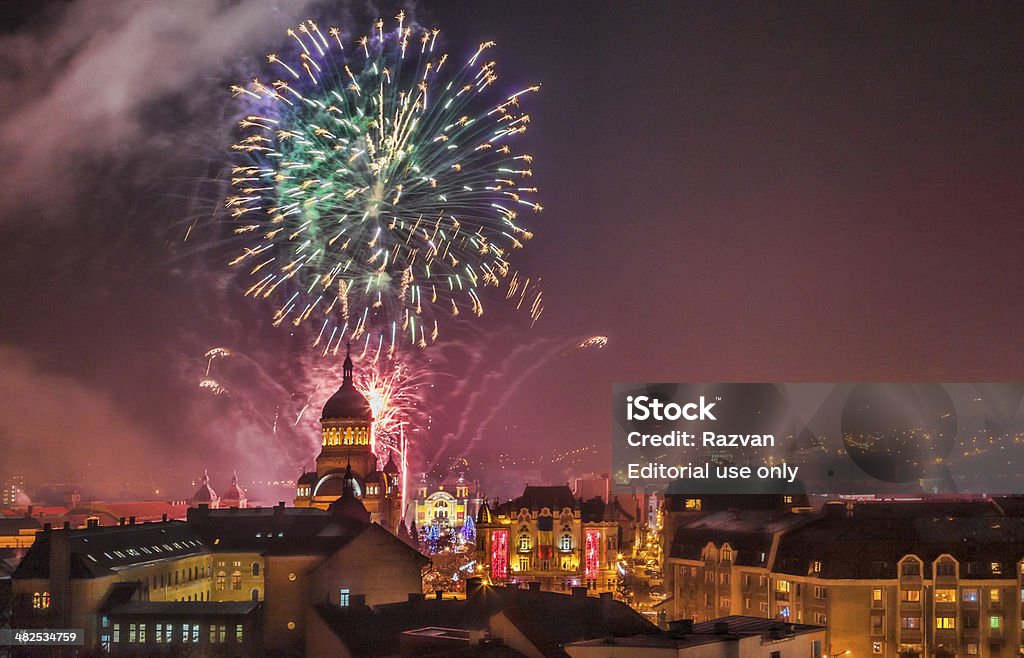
{"points": [[478, 404], [378, 191]]}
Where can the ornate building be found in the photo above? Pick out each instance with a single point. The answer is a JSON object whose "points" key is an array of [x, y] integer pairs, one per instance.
{"points": [[346, 441], [548, 536], [447, 504]]}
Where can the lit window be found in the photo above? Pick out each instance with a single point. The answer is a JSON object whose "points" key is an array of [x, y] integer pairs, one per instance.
{"points": [[876, 594], [876, 647], [945, 623], [344, 602], [993, 595], [565, 543], [911, 622], [693, 504], [997, 568], [726, 555], [524, 543], [222, 580], [41, 600], [970, 595], [238, 633], [945, 595], [236, 580], [994, 621], [784, 586], [910, 595]]}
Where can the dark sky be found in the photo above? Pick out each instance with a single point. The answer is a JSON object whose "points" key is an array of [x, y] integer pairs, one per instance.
{"points": [[732, 191]]}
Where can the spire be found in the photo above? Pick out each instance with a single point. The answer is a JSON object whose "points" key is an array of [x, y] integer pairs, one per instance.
{"points": [[347, 489], [234, 478], [347, 366], [205, 480]]}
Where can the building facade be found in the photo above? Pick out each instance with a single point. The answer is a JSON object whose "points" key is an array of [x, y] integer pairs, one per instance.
{"points": [[886, 579], [234, 581], [547, 536], [446, 504]]}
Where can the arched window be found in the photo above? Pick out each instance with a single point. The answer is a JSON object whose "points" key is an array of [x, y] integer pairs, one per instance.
{"points": [[525, 544], [222, 580], [41, 600], [255, 595], [236, 580], [565, 543], [255, 568]]}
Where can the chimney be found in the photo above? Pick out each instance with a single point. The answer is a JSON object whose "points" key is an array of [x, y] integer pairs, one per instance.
{"points": [[438, 594], [681, 626], [280, 504], [92, 523], [721, 628], [579, 591], [60, 578], [416, 596], [47, 527], [28, 511], [163, 517], [67, 525], [120, 521], [131, 520], [607, 609], [473, 584], [204, 505], [534, 585]]}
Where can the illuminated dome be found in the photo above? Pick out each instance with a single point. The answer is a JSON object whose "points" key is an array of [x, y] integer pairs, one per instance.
{"points": [[347, 402]]}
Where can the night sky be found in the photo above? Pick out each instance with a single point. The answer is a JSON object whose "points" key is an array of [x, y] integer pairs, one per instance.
{"points": [[732, 191]]}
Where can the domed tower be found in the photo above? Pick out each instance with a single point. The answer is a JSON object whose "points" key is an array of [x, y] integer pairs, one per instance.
{"points": [[346, 424], [235, 495], [345, 434], [205, 495]]}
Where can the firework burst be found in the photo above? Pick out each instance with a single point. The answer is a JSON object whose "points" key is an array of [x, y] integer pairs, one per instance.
{"points": [[394, 398], [378, 190]]}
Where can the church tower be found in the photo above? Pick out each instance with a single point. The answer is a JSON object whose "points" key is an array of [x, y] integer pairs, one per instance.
{"points": [[347, 459]]}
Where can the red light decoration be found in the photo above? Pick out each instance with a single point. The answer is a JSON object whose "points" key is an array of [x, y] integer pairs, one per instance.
{"points": [[593, 548], [499, 554]]}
